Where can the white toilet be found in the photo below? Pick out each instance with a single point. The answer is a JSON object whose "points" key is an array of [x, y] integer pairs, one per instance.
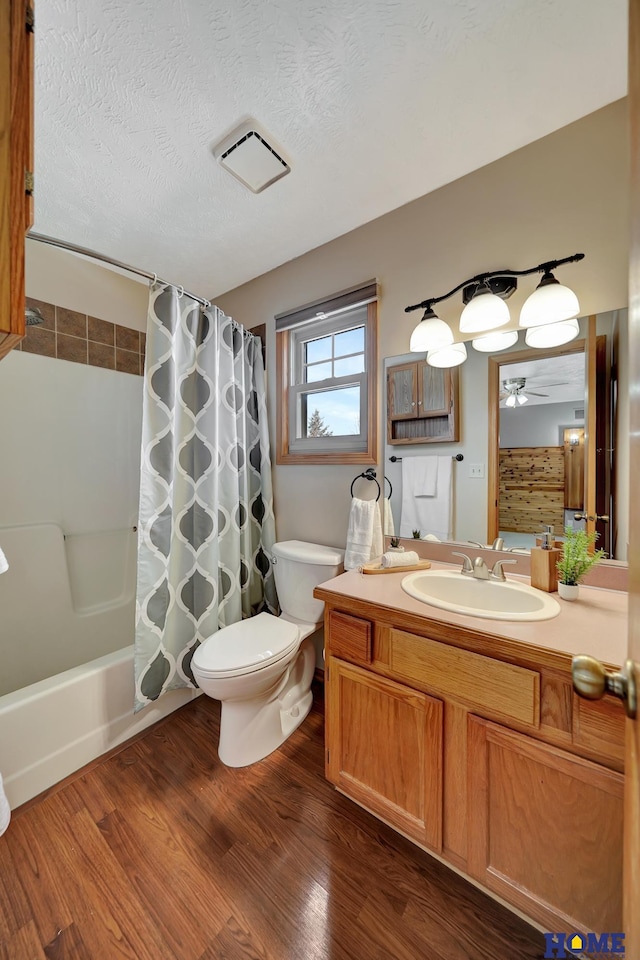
{"points": [[261, 668]]}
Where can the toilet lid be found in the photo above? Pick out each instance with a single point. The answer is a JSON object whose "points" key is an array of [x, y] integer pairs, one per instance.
{"points": [[248, 644]]}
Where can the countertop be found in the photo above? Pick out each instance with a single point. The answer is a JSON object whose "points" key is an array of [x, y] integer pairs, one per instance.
{"points": [[595, 624]]}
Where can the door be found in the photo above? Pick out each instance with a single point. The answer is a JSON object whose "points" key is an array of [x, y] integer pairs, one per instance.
{"points": [[632, 786], [545, 829], [384, 745], [631, 877]]}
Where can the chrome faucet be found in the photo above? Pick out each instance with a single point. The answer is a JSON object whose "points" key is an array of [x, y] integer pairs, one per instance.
{"points": [[498, 544], [479, 570]]}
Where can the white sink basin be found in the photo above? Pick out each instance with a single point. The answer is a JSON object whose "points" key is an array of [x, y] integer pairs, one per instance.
{"points": [[490, 599]]}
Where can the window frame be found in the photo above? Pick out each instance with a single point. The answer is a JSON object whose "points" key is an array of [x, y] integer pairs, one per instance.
{"points": [[345, 449]]}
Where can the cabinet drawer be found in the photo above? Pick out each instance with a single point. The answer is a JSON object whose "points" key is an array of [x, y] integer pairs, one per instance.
{"points": [[598, 725], [349, 637], [479, 681]]}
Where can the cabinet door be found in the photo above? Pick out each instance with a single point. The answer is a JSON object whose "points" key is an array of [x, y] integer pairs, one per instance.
{"points": [[402, 391], [434, 391], [384, 748], [545, 829]]}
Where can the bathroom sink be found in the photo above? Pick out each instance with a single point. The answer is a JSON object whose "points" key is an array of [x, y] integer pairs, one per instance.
{"points": [[490, 599]]}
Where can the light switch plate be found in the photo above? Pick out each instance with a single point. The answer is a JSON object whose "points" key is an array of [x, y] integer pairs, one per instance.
{"points": [[476, 470]]}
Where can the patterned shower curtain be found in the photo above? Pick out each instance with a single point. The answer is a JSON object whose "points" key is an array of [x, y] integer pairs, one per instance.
{"points": [[206, 523]]}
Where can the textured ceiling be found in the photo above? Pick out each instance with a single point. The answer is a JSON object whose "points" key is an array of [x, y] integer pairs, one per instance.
{"points": [[561, 379], [373, 104]]}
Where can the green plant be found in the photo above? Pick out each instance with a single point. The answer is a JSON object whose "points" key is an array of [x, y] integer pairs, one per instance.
{"points": [[395, 541], [417, 535], [576, 561]]}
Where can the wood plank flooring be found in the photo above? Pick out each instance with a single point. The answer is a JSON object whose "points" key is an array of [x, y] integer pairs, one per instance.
{"points": [[162, 852]]}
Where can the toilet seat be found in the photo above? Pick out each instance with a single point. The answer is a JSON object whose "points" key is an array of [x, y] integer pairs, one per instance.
{"points": [[245, 647]]}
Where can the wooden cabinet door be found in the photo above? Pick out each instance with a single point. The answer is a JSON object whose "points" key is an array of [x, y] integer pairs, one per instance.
{"points": [[402, 391], [545, 829], [384, 748], [16, 149], [434, 390]]}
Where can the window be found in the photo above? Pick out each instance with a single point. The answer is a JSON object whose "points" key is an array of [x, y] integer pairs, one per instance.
{"points": [[327, 380]]}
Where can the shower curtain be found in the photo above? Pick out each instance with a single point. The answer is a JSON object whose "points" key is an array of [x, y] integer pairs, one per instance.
{"points": [[206, 521]]}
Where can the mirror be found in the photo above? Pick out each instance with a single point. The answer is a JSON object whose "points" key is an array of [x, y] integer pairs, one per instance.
{"points": [[475, 482]]}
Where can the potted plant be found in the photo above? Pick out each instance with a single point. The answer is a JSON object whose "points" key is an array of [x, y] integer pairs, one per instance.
{"points": [[417, 535], [394, 545], [576, 561]]}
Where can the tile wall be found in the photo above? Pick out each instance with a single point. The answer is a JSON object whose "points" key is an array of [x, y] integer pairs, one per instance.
{"points": [[69, 335]]}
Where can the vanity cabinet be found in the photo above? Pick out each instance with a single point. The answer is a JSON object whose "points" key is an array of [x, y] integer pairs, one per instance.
{"points": [[422, 403], [478, 750], [16, 163]]}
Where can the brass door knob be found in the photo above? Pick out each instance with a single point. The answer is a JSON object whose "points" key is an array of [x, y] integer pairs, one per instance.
{"points": [[591, 680]]}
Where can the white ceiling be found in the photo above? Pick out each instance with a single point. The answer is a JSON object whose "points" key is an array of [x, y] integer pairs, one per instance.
{"points": [[372, 102], [560, 379]]}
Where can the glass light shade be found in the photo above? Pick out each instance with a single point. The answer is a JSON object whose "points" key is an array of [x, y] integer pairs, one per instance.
{"points": [[551, 302], [552, 334], [494, 342], [521, 398], [511, 400], [448, 356], [430, 334], [485, 312]]}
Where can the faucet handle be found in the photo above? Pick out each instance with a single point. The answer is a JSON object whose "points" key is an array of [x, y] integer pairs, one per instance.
{"points": [[467, 566], [497, 572]]}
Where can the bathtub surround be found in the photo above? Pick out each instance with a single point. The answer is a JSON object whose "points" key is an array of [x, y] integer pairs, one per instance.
{"points": [[206, 522], [70, 335]]}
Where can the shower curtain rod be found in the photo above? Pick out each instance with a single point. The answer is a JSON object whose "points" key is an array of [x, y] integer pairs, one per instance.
{"points": [[115, 263]]}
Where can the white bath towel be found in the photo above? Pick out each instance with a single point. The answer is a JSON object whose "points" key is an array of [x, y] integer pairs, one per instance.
{"points": [[430, 515], [364, 535], [388, 526]]}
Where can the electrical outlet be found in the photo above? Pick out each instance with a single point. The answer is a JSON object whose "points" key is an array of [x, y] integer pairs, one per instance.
{"points": [[476, 470]]}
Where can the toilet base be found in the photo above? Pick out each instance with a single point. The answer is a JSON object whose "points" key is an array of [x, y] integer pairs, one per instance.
{"points": [[252, 729]]}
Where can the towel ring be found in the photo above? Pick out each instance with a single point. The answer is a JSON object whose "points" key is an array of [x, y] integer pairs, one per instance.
{"points": [[369, 474], [390, 487]]}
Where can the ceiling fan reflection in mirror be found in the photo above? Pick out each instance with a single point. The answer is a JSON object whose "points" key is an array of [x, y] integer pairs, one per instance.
{"points": [[513, 391]]}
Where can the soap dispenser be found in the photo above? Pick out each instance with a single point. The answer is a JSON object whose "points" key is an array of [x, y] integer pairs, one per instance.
{"points": [[544, 575]]}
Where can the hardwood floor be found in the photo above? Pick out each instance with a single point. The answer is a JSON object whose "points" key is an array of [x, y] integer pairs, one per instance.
{"points": [[162, 852]]}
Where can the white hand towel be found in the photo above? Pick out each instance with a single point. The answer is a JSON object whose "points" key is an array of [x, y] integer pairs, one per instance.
{"points": [[430, 515], [388, 526], [406, 559], [364, 525], [4, 566]]}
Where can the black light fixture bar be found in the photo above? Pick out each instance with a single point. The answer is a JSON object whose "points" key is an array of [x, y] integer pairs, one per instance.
{"points": [[486, 278]]}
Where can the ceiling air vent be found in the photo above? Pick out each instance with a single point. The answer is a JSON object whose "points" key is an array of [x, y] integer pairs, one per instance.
{"points": [[578, 413], [247, 154]]}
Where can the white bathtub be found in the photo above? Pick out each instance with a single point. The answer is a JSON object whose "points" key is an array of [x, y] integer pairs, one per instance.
{"points": [[67, 613], [52, 728]]}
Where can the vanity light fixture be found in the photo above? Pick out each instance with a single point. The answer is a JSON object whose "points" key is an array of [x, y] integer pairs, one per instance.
{"points": [[485, 309], [431, 333], [552, 334], [447, 356], [495, 342]]}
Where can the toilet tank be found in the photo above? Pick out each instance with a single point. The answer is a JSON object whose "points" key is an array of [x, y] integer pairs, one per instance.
{"points": [[298, 568]]}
